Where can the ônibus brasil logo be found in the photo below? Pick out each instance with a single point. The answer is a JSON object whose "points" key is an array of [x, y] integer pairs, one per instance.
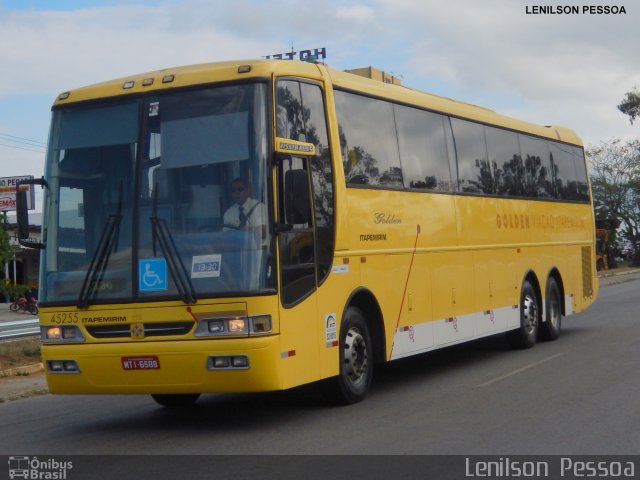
{"points": [[38, 469]]}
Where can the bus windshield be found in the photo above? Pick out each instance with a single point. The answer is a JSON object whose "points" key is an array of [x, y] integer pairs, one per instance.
{"points": [[160, 197]]}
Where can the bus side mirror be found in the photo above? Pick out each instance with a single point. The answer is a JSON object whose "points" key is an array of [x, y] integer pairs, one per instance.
{"points": [[297, 201], [22, 213]]}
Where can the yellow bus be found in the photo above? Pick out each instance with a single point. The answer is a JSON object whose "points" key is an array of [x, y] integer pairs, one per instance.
{"points": [[259, 225]]}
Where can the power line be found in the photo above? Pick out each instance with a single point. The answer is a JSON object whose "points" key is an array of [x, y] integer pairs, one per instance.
{"points": [[22, 148], [23, 143], [21, 139]]}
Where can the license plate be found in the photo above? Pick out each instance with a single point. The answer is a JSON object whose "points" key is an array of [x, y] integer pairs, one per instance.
{"points": [[140, 363]]}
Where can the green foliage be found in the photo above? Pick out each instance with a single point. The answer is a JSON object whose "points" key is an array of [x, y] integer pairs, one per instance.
{"points": [[8, 288], [631, 105], [31, 349], [5, 247], [615, 184]]}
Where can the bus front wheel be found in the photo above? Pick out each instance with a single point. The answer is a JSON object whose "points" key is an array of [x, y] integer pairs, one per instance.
{"points": [[525, 336], [176, 400], [356, 359]]}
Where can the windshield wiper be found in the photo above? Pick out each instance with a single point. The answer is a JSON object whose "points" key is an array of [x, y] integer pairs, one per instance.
{"points": [[108, 243], [162, 236]]}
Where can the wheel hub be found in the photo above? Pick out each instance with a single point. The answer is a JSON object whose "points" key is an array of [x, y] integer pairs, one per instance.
{"points": [[554, 310], [355, 355], [530, 313]]}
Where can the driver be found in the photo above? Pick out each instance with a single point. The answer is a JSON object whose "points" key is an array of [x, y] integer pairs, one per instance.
{"points": [[246, 212]]}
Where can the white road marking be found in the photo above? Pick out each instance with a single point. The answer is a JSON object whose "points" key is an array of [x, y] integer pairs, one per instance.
{"points": [[522, 369]]}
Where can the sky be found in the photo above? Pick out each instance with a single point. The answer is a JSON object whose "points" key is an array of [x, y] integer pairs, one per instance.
{"points": [[552, 69]]}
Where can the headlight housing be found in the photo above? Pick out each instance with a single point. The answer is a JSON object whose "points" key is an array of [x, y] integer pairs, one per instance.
{"points": [[240, 326], [61, 334]]}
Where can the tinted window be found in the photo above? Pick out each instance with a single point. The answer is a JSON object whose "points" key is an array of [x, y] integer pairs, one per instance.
{"points": [[536, 158], [368, 140], [563, 172], [581, 173], [289, 111], [505, 161], [474, 171], [423, 149]]}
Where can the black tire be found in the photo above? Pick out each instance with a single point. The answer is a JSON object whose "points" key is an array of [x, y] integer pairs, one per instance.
{"points": [[356, 359], [33, 309], [526, 335], [14, 307], [182, 400], [550, 329]]}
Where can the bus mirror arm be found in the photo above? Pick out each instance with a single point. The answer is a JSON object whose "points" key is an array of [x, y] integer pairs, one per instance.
{"points": [[22, 212], [33, 181]]}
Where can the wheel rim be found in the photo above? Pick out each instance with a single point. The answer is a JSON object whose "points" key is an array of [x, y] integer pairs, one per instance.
{"points": [[356, 358], [530, 314]]}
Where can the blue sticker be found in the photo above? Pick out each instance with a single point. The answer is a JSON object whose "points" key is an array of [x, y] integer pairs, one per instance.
{"points": [[152, 275]]}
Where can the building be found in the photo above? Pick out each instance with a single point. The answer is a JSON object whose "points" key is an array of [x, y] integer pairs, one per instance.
{"points": [[23, 268]]}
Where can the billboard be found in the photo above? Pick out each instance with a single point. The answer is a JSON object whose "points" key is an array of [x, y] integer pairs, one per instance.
{"points": [[8, 193]]}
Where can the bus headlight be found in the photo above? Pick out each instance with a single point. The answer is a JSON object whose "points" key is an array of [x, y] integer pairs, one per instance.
{"points": [[235, 326], [65, 333]]}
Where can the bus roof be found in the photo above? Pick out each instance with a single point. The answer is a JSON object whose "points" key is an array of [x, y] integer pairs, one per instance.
{"points": [[243, 69]]}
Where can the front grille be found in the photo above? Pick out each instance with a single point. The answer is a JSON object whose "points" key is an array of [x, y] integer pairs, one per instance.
{"points": [[150, 330]]}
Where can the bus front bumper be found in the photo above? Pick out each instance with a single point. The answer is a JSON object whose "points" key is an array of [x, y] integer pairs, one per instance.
{"points": [[193, 366]]}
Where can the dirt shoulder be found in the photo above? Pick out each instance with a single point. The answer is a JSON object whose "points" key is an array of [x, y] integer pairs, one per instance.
{"points": [[21, 371], [23, 385]]}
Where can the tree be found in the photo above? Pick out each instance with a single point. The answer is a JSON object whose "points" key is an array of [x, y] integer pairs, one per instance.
{"points": [[615, 183], [631, 105], [5, 256], [5, 247]]}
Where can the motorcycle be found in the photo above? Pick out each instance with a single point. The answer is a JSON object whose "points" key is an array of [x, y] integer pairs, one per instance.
{"points": [[26, 305]]}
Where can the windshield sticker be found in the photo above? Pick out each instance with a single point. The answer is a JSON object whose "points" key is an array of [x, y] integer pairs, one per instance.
{"points": [[152, 275], [206, 266], [154, 109]]}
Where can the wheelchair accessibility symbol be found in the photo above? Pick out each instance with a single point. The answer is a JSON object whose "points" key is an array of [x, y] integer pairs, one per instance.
{"points": [[152, 275]]}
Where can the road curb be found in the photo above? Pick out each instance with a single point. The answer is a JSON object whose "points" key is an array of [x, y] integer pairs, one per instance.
{"points": [[618, 274]]}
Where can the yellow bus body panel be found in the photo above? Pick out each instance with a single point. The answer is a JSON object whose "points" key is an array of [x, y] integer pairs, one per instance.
{"points": [[183, 367], [442, 268]]}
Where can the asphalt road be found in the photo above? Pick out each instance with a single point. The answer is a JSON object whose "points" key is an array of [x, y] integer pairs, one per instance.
{"points": [[578, 395]]}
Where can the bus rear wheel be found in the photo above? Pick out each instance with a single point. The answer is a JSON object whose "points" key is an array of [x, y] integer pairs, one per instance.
{"points": [[550, 329], [356, 360], [526, 335], [176, 400]]}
